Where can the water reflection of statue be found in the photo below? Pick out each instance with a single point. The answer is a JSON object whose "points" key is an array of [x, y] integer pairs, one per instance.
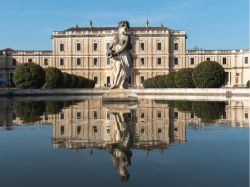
{"points": [[122, 58], [121, 155]]}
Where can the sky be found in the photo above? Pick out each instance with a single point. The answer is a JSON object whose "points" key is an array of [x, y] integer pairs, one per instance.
{"points": [[210, 24]]}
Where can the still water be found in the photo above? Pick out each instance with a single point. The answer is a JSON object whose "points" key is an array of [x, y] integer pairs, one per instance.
{"points": [[149, 143]]}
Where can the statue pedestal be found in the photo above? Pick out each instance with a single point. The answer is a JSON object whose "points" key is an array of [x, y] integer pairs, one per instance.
{"points": [[119, 95]]}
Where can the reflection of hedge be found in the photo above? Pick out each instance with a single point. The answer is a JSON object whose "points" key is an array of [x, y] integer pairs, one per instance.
{"points": [[53, 107], [161, 81], [32, 111], [29, 111], [207, 111], [183, 78]]}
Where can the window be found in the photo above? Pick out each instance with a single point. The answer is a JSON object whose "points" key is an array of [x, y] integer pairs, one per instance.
{"points": [[237, 74], [78, 62], [108, 61], [78, 129], [61, 47], [246, 115], [159, 114], [95, 115], [95, 79], [62, 129], [130, 80], [176, 61], [208, 59], [95, 129], [108, 80], [224, 60], [95, 62], [46, 117], [192, 115], [142, 61], [108, 131], [159, 130], [107, 46], [13, 62], [176, 47], [95, 47], [142, 46], [158, 46], [192, 61], [142, 79], [61, 61], [45, 62], [78, 115], [108, 116], [62, 116], [142, 115], [246, 60], [142, 130], [29, 60], [158, 61], [78, 46], [176, 115]]}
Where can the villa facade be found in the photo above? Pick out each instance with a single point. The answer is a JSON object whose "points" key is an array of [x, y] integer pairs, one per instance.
{"points": [[156, 51]]}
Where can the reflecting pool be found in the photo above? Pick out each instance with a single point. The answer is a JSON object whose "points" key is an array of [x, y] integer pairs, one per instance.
{"points": [[149, 143]]}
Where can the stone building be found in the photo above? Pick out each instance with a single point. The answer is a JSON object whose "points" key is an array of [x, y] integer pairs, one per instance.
{"points": [[156, 51]]}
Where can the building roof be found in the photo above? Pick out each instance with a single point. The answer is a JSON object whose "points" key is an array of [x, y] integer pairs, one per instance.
{"points": [[76, 28]]}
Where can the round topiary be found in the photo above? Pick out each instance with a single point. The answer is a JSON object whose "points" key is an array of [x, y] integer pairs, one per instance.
{"points": [[67, 79], [183, 78], [29, 75], [208, 74], [54, 78], [248, 84]]}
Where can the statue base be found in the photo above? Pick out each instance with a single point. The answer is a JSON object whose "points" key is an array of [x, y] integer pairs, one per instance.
{"points": [[119, 95]]}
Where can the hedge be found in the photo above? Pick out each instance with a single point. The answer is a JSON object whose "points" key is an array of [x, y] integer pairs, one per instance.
{"points": [[208, 74], [29, 75]]}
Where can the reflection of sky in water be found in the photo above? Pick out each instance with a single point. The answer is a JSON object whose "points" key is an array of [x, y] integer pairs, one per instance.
{"points": [[156, 144]]}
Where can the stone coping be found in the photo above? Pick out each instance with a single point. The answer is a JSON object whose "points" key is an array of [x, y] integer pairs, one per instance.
{"points": [[157, 93]]}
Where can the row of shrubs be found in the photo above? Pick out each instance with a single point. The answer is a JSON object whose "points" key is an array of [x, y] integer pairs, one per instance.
{"points": [[31, 75], [207, 74]]}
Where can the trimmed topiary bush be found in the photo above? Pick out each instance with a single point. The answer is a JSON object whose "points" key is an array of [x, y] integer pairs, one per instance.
{"points": [[54, 78], [248, 84], [183, 78], [67, 79], [169, 80], [29, 75], [208, 74], [75, 80], [161, 81]]}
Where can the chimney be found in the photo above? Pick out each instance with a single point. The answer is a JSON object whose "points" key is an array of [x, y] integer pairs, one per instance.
{"points": [[162, 25], [90, 24], [147, 23]]}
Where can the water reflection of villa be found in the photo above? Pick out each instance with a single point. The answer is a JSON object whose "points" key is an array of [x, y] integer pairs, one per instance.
{"points": [[147, 125]]}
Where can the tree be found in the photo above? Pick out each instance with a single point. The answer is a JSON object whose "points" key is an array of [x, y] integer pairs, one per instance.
{"points": [[67, 79], [208, 74], [169, 80], [183, 78], [248, 84], [29, 75], [54, 78], [75, 80]]}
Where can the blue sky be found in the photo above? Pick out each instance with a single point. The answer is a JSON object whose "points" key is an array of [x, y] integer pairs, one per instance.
{"points": [[210, 24]]}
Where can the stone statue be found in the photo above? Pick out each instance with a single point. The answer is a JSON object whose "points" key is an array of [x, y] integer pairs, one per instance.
{"points": [[119, 51]]}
